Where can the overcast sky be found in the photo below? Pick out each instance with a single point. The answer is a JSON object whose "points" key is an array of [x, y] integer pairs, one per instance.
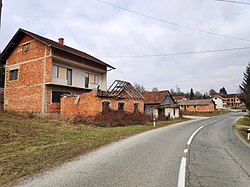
{"points": [[108, 32]]}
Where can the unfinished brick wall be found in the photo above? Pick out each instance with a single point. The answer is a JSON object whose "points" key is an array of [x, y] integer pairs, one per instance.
{"points": [[199, 108], [25, 94], [55, 107], [90, 105]]}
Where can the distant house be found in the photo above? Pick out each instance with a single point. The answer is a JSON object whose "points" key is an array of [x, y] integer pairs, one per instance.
{"points": [[38, 71], [120, 96], [200, 105], [179, 98], [229, 100], [160, 104], [220, 102]]}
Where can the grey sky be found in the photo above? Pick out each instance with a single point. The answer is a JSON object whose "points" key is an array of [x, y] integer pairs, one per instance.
{"points": [[103, 31]]}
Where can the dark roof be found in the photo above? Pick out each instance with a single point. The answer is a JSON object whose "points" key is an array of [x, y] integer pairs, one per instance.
{"points": [[21, 33], [196, 102], [121, 89], [155, 97]]}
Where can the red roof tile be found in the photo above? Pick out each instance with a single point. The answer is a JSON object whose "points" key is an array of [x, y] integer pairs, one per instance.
{"points": [[50, 43], [154, 97]]}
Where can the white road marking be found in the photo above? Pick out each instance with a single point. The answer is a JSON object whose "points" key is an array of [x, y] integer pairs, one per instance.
{"points": [[192, 136], [182, 173], [185, 150]]}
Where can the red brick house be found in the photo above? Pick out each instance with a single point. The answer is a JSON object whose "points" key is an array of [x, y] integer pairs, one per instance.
{"points": [[160, 104], [120, 96], [199, 105], [39, 70]]}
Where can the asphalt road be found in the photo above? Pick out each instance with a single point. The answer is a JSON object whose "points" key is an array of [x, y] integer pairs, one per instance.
{"points": [[213, 156]]}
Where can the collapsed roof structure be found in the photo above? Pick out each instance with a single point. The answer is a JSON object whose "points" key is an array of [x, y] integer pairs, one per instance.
{"points": [[121, 90]]}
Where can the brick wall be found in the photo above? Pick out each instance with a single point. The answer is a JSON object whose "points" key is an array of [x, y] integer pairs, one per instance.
{"points": [[90, 105], [55, 107], [199, 108], [25, 94]]}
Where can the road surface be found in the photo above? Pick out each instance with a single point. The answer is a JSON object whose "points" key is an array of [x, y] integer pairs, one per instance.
{"points": [[196, 153]]}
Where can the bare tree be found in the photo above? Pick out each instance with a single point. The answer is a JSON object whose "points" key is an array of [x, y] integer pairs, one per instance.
{"points": [[139, 88], [155, 89]]}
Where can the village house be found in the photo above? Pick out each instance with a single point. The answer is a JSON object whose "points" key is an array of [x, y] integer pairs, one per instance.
{"points": [[229, 100], [121, 96], [38, 71], [199, 105], [179, 98], [160, 104], [220, 102]]}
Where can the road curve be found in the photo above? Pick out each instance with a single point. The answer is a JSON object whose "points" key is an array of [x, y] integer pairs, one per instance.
{"points": [[153, 159]]}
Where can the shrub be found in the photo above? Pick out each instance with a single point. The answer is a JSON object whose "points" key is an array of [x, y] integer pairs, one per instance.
{"points": [[117, 118]]}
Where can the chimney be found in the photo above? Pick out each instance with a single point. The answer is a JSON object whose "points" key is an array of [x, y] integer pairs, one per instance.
{"points": [[61, 41]]}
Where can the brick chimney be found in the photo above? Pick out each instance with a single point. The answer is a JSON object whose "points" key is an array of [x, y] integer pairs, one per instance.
{"points": [[61, 41]]}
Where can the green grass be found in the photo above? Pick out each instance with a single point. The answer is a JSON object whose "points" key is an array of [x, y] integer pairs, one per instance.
{"points": [[242, 125], [207, 114], [31, 145]]}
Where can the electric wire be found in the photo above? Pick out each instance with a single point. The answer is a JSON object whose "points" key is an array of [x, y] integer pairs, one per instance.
{"points": [[238, 2], [172, 23], [177, 54]]}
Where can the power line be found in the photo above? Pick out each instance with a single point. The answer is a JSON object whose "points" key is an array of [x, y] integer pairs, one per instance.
{"points": [[172, 23], [238, 2], [179, 53]]}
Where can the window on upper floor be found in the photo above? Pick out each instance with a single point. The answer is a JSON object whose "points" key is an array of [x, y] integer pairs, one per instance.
{"points": [[62, 73], [26, 48], [91, 79], [13, 74], [86, 80]]}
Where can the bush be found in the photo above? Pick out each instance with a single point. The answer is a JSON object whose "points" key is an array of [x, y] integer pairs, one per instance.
{"points": [[117, 118]]}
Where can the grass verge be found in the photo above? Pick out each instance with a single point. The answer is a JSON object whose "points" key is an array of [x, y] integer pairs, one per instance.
{"points": [[207, 114], [31, 145], [242, 125]]}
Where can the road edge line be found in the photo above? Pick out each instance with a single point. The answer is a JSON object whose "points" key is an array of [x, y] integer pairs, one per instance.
{"points": [[182, 172]]}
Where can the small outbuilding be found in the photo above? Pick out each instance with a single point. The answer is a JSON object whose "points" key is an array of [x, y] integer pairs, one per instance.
{"points": [[160, 104], [199, 105]]}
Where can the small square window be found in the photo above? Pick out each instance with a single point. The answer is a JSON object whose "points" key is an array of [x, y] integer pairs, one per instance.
{"points": [[13, 74], [26, 48], [136, 107], [105, 106], [121, 107]]}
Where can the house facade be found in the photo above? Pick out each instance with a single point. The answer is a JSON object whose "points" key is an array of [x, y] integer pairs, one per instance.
{"points": [[229, 100], [219, 102], [38, 71], [160, 104], [199, 105]]}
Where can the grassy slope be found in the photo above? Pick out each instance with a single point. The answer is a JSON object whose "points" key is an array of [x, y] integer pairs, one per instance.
{"points": [[242, 125], [30, 145], [207, 114]]}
